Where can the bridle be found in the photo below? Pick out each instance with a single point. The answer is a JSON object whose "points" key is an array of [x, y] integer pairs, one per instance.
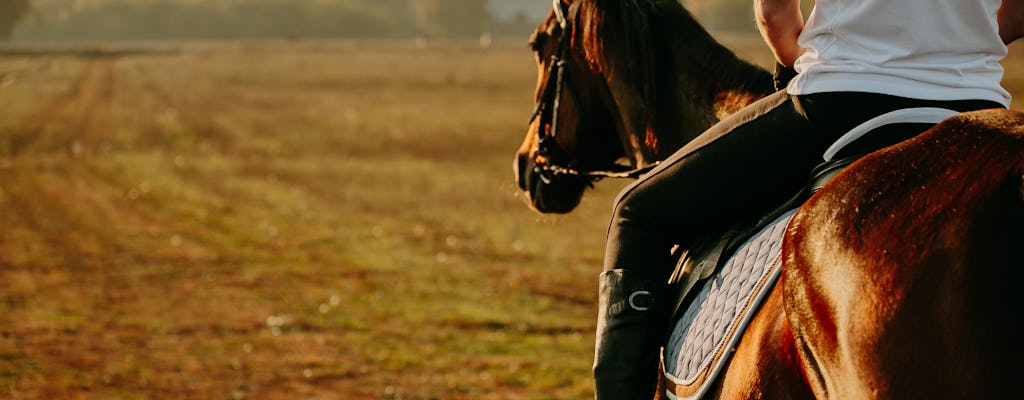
{"points": [[547, 110]]}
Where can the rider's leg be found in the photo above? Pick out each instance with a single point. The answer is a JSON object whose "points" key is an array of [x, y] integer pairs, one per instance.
{"points": [[662, 209]]}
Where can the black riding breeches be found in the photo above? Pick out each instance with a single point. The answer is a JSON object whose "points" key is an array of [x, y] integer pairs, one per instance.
{"points": [[737, 170]]}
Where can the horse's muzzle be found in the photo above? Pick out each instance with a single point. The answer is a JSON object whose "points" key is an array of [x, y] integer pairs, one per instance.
{"points": [[520, 168], [546, 192]]}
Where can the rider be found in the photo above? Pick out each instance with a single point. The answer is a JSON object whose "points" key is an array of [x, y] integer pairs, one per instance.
{"points": [[852, 60]]}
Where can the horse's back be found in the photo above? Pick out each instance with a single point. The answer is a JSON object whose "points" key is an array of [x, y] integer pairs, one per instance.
{"points": [[901, 271]]}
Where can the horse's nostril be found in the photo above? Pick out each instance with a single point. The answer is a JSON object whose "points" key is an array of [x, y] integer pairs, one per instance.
{"points": [[519, 167]]}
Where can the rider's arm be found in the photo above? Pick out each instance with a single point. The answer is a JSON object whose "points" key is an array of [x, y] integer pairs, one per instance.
{"points": [[780, 23], [1011, 20]]}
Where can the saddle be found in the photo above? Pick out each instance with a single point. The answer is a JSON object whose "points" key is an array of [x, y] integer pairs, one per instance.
{"points": [[719, 257]]}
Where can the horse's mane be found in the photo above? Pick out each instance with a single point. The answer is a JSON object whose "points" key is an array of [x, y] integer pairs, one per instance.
{"points": [[623, 28]]}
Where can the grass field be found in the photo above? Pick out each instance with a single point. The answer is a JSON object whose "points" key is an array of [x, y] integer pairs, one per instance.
{"points": [[328, 220]]}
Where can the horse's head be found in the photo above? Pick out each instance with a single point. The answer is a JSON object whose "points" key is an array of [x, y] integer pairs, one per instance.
{"points": [[621, 84], [580, 131]]}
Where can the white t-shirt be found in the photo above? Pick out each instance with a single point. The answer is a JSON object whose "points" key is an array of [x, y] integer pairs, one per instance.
{"points": [[923, 49]]}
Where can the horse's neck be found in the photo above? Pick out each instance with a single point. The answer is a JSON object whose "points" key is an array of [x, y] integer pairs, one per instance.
{"points": [[745, 84], [712, 89], [697, 81]]}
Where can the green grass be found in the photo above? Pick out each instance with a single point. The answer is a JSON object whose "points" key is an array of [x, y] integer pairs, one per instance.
{"points": [[277, 221]]}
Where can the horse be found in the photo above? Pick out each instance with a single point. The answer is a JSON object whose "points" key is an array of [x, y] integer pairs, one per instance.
{"points": [[639, 109], [895, 276]]}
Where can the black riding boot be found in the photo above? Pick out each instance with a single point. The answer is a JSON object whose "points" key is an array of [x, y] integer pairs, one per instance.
{"points": [[630, 331]]}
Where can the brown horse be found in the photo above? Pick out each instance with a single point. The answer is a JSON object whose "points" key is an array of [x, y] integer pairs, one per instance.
{"points": [[897, 275], [636, 107]]}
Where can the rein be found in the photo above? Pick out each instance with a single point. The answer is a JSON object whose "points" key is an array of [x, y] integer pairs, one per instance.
{"points": [[547, 110]]}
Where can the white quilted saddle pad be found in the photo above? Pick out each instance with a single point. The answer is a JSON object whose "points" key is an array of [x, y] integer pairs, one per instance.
{"points": [[711, 326]]}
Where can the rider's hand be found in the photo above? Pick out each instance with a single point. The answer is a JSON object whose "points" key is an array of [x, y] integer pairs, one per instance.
{"points": [[782, 75]]}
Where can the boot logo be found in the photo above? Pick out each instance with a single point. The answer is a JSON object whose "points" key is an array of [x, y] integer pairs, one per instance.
{"points": [[641, 300]]}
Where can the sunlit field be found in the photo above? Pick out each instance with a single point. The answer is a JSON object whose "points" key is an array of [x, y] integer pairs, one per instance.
{"points": [[312, 220]]}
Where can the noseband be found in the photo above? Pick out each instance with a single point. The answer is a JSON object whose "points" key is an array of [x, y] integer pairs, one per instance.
{"points": [[547, 110]]}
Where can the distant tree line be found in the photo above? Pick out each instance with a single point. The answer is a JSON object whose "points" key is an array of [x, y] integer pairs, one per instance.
{"points": [[11, 12], [241, 19]]}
